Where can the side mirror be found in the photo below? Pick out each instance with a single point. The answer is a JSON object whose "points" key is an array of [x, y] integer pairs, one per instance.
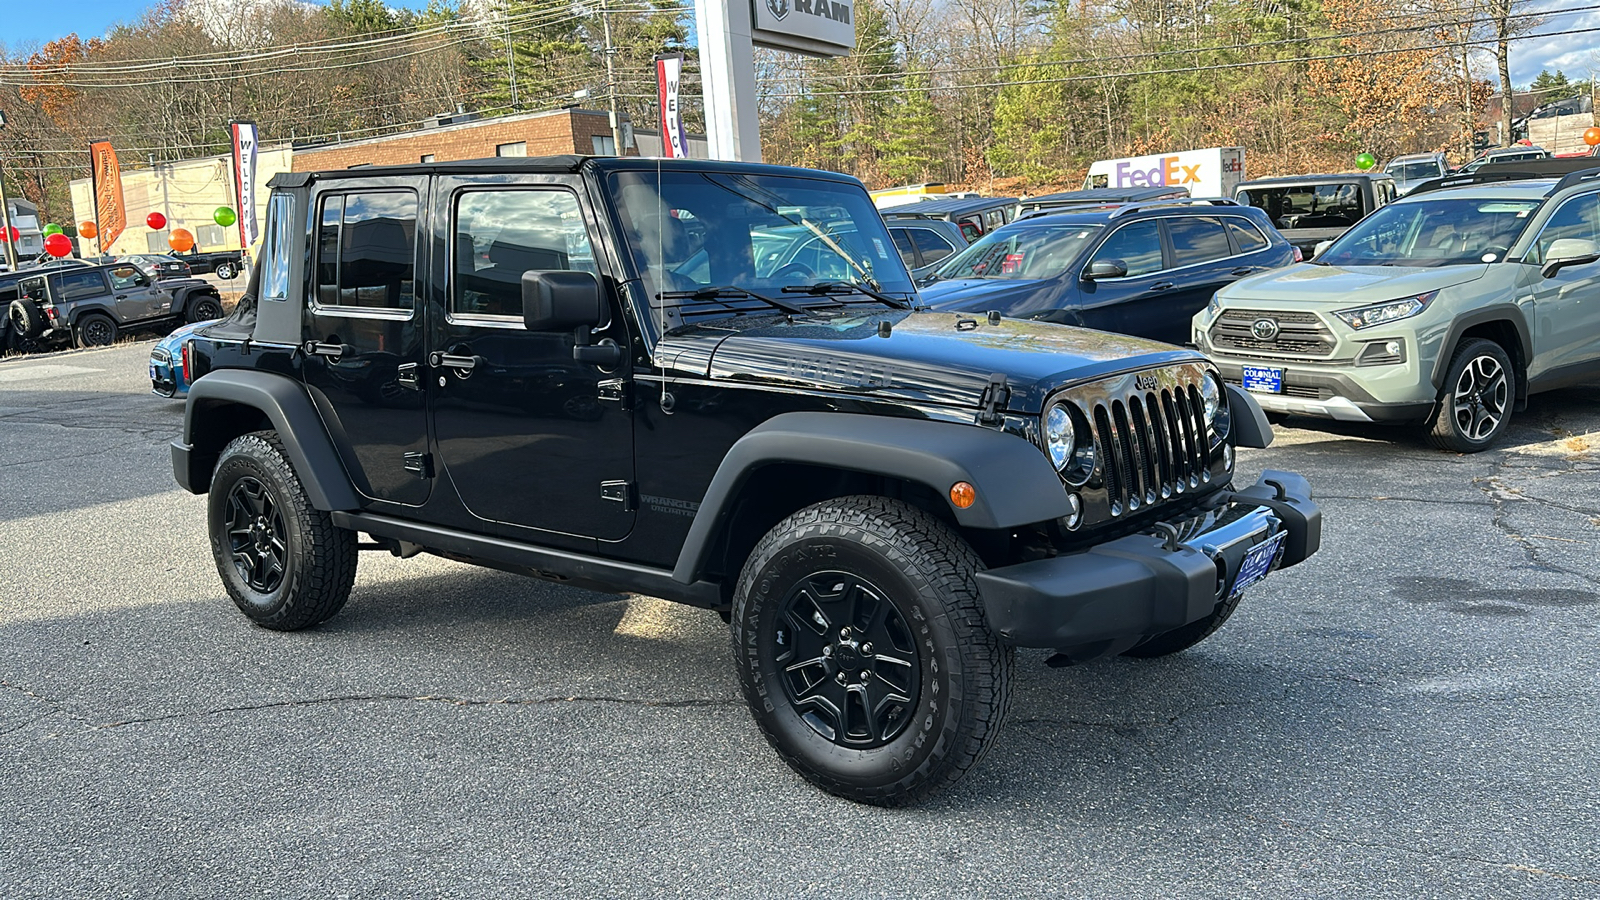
{"points": [[1320, 248], [1568, 252], [1105, 268], [561, 301]]}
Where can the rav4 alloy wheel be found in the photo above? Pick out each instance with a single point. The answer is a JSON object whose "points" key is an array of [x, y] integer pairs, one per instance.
{"points": [[284, 562], [861, 645], [1475, 406]]}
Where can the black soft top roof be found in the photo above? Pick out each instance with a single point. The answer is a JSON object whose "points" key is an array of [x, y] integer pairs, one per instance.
{"points": [[554, 165]]}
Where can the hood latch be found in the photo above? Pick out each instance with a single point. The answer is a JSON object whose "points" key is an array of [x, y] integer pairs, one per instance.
{"points": [[996, 396]]}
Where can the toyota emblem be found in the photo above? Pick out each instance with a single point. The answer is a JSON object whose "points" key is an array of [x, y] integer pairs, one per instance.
{"points": [[1265, 329]]}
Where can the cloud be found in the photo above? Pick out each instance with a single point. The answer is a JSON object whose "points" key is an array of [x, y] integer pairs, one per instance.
{"points": [[1573, 54]]}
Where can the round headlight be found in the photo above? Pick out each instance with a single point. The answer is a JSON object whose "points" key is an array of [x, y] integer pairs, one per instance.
{"points": [[1059, 436], [1216, 406]]}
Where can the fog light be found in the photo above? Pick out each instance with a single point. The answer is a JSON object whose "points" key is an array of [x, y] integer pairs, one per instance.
{"points": [[1227, 456], [963, 495], [1074, 516], [1392, 348]]}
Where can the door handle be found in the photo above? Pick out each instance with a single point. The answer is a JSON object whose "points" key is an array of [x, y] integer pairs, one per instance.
{"points": [[462, 363], [122, 296], [1162, 286], [330, 350], [1243, 270]]}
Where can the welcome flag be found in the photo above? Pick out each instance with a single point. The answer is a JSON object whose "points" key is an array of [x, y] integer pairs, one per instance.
{"points": [[669, 72]]}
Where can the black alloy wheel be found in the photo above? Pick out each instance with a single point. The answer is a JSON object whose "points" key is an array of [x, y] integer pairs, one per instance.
{"points": [[96, 330], [204, 309], [256, 535], [849, 659]]}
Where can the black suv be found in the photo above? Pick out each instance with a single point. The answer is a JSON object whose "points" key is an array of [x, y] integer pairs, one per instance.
{"points": [[570, 368], [91, 305], [1139, 268]]}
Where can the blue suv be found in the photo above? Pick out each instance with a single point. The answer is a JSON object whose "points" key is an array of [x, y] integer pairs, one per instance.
{"points": [[1139, 268]]}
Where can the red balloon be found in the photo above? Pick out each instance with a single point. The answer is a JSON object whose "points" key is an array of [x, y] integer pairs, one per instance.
{"points": [[58, 245], [10, 236], [1591, 136], [156, 220]]}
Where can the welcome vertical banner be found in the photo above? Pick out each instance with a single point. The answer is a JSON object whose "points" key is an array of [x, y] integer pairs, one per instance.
{"points": [[109, 214], [669, 72], [244, 179]]}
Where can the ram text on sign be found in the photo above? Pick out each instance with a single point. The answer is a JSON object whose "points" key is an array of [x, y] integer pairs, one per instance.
{"points": [[815, 27]]}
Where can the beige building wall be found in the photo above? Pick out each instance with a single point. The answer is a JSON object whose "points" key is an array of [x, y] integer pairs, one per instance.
{"points": [[187, 193]]}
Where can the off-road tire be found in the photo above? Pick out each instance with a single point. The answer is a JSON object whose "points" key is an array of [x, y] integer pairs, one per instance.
{"points": [[317, 560], [96, 330], [203, 308], [227, 271], [1180, 639], [924, 572], [1480, 386], [26, 318]]}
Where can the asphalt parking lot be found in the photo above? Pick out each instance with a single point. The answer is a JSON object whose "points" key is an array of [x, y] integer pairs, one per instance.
{"points": [[1414, 712]]}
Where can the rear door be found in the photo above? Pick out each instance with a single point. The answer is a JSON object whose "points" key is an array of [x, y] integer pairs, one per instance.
{"points": [[1203, 262], [931, 245], [363, 332], [1566, 306]]}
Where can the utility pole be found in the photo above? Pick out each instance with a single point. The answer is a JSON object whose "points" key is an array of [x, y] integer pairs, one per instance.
{"points": [[611, 84], [5, 214], [511, 62]]}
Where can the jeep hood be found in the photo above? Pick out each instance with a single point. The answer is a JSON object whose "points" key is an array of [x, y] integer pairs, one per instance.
{"points": [[1313, 284], [925, 358]]}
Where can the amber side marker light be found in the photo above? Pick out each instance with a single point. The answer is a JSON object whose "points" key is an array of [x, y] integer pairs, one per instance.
{"points": [[963, 494]]}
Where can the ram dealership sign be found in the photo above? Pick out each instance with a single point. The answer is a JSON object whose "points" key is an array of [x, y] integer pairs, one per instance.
{"points": [[813, 27]]}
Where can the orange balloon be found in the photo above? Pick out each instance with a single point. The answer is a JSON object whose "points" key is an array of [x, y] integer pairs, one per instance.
{"points": [[180, 240], [1591, 136], [87, 229]]}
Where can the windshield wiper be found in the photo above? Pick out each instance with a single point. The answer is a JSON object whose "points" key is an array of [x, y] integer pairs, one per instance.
{"points": [[716, 294], [822, 288]]}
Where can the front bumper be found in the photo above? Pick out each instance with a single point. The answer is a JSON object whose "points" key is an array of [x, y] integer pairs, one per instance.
{"points": [[1146, 584]]}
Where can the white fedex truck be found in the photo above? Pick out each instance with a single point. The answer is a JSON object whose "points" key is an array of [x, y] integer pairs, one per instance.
{"points": [[1212, 172]]}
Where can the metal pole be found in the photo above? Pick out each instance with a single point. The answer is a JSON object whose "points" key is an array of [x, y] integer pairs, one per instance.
{"points": [[611, 86], [5, 221]]}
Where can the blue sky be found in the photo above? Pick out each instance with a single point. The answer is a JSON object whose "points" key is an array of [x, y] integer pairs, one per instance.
{"points": [[32, 23]]}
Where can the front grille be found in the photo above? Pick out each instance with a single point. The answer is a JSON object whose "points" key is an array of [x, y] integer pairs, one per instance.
{"points": [[1299, 333], [1151, 444]]}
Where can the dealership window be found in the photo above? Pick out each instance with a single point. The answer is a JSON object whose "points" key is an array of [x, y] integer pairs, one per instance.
{"points": [[210, 235], [520, 148], [366, 249], [604, 145], [428, 157], [156, 242]]}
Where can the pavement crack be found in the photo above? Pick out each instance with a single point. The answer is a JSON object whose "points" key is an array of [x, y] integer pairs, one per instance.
{"points": [[1431, 501], [432, 698]]}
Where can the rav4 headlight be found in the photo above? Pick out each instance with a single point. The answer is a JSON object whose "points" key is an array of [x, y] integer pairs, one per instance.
{"points": [[1059, 436], [1384, 313]]}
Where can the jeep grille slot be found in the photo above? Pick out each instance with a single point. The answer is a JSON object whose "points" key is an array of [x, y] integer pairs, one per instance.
{"points": [[1152, 445]]}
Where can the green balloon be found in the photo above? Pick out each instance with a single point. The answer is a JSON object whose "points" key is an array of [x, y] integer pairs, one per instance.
{"points": [[1366, 161], [224, 216], [51, 229]]}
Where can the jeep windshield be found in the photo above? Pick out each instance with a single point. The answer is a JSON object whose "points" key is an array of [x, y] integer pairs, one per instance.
{"points": [[1436, 232], [1318, 205], [1020, 252], [732, 242], [1421, 170]]}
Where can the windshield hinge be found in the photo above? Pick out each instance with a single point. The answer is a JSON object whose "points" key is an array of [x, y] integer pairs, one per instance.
{"points": [[996, 396]]}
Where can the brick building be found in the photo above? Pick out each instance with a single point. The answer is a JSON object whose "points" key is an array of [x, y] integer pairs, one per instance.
{"points": [[582, 131]]}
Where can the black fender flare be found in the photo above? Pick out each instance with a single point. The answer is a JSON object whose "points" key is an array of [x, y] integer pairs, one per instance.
{"points": [[182, 297], [1503, 313], [87, 309], [1014, 481], [1250, 427], [289, 408]]}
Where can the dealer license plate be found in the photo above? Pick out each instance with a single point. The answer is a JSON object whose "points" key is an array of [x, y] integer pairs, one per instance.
{"points": [[1257, 563], [153, 372], [1263, 379]]}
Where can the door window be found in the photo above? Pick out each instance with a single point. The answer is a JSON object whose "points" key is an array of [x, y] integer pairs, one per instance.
{"points": [[1137, 245], [902, 243], [1197, 239], [934, 246], [366, 250], [501, 234], [78, 285], [1246, 235], [1575, 220], [971, 228], [125, 278], [274, 260]]}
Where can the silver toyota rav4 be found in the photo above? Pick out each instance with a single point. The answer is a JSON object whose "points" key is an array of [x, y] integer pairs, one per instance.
{"points": [[1446, 308]]}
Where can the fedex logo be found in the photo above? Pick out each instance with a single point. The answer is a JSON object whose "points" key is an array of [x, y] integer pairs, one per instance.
{"points": [[1169, 170]]}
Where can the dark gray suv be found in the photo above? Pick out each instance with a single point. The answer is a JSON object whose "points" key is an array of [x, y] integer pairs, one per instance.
{"points": [[91, 305]]}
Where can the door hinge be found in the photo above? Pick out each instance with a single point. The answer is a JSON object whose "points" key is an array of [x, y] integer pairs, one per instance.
{"points": [[419, 464], [615, 390], [406, 376], [619, 492]]}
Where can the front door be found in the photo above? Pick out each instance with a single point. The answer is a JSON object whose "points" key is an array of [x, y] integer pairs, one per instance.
{"points": [[135, 294], [1566, 306], [363, 334], [531, 438], [1135, 303]]}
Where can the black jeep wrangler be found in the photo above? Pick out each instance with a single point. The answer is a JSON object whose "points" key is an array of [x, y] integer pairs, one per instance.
{"points": [[91, 305], [575, 369]]}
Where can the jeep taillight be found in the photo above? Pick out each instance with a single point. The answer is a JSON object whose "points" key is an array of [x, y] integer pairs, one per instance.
{"points": [[51, 312], [184, 359]]}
